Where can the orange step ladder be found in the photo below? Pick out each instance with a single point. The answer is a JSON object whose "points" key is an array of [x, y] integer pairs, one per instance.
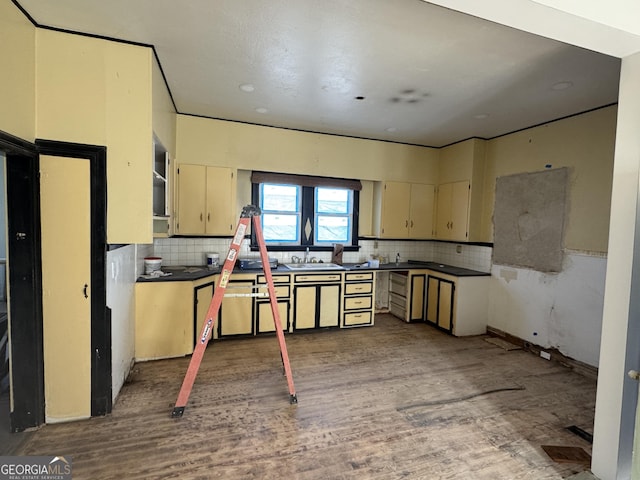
{"points": [[248, 212]]}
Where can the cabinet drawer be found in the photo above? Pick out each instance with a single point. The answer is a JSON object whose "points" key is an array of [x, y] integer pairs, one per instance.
{"points": [[398, 284], [357, 303], [276, 278], [399, 300], [360, 318], [330, 277], [282, 291], [358, 288], [358, 277], [398, 311]]}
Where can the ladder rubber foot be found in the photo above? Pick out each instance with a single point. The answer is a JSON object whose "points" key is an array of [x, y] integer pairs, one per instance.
{"points": [[293, 398], [177, 412]]}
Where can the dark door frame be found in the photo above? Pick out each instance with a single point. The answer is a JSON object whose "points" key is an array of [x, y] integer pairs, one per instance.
{"points": [[25, 276], [25, 282], [101, 368]]}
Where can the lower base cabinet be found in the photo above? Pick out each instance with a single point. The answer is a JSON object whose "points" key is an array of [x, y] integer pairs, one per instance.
{"points": [[457, 305], [236, 313], [359, 299], [158, 333], [264, 316], [440, 302], [316, 301]]}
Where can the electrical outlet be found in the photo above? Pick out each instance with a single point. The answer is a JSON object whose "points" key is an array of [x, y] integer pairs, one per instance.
{"points": [[375, 244], [545, 355]]}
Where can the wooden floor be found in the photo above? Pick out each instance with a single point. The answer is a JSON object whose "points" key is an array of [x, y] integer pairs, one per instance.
{"points": [[389, 402]]}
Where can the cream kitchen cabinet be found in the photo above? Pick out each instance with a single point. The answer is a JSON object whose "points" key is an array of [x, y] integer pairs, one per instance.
{"points": [[237, 313], [407, 294], [359, 299], [205, 200], [452, 218], [264, 314], [316, 300], [163, 320], [457, 305], [406, 210]]}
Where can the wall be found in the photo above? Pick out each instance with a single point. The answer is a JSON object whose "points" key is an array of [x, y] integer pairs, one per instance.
{"points": [[562, 310], [17, 82], [121, 277], [164, 115], [584, 144], [98, 92], [251, 147]]}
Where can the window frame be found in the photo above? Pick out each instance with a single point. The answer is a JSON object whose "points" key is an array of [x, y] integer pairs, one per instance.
{"points": [[308, 212]]}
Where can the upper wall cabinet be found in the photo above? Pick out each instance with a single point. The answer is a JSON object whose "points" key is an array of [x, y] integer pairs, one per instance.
{"points": [[405, 210], [205, 200], [460, 191], [161, 190], [452, 219]]}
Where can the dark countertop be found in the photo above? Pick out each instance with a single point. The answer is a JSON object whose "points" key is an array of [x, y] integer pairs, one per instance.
{"points": [[191, 273]]}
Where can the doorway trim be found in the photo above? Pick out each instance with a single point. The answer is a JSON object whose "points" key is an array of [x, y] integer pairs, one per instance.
{"points": [[24, 282], [101, 368]]}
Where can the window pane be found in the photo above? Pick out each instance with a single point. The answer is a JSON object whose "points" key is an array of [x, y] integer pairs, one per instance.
{"points": [[280, 228], [280, 198], [333, 229], [332, 200]]}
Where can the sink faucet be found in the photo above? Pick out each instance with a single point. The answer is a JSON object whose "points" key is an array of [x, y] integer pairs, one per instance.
{"points": [[306, 256], [397, 258]]}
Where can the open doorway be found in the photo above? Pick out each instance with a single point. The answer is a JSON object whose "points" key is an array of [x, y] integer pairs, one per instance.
{"points": [[5, 424]]}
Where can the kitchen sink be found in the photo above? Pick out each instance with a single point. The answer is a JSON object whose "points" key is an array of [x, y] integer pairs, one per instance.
{"points": [[314, 266]]}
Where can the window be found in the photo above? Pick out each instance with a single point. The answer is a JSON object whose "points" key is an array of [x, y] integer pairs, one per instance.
{"points": [[281, 207], [333, 214], [305, 213]]}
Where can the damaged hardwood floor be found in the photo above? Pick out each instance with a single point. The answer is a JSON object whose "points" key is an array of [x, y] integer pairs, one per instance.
{"points": [[393, 401]]}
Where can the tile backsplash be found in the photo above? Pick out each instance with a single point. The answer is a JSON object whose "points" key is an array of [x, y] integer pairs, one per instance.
{"points": [[193, 251]]}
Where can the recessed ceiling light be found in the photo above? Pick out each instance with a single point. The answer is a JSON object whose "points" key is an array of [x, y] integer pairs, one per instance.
{"points": [[359, 97], [561, 85], [391, 129], [247, 87], [261, 110], [481, 116]]}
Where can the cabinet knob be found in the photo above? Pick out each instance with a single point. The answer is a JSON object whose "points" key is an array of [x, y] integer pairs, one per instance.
{"points": [[406, 223], [201, 217], [411, 223]]}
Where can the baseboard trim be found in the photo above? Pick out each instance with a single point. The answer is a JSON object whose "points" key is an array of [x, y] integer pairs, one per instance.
{"points": [[555, 355]]}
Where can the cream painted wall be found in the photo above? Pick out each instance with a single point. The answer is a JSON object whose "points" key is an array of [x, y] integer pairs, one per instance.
{"points": [[164, 114], [17, 82], [99, 92], [584, 144], [252, 147]]}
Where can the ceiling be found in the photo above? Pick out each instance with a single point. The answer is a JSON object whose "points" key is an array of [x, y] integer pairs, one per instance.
{"points": [[405, 71]]}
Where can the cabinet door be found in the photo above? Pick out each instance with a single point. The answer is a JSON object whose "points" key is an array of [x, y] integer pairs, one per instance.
{"points": [[417, 298], [305, 307], [163, 320], [432, 300], [443, 212], [459, 211], [395, 210], [421, 211], [202, 296], [220, 198], [237, 312], [264, 316], [445, 305], [191, 200], [329, 314]]}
